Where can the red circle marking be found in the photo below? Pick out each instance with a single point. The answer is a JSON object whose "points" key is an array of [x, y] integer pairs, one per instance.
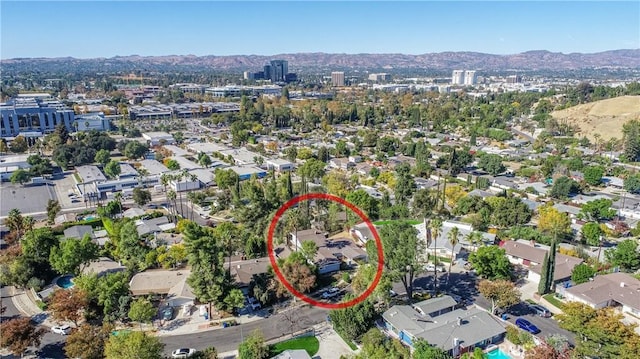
{"points": [[285, 282]]}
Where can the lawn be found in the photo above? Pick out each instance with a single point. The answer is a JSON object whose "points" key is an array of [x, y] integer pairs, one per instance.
{"points": [[412, 222], [310, 344], [553, 300]]}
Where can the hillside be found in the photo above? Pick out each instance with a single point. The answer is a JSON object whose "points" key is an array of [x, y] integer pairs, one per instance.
{"points": [[605, 117]]}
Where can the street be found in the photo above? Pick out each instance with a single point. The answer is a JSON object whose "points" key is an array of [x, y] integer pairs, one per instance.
{"points": [[228, 339]]}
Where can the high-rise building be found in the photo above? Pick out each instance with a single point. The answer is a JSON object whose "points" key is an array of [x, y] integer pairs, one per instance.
{"points": [[514, 79], [248, 75], [267, 72], [279, 70], [457, 78], [337, 78], [382, 77], [470, 77]]}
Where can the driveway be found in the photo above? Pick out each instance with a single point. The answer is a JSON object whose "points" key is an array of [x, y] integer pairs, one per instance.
{"points": [[331, 345]]}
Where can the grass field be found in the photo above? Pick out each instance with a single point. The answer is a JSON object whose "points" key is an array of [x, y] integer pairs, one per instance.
{"points": [[553, 300], [310, 344]]}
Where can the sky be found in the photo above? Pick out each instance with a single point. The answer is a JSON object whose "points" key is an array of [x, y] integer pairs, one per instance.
{"points": [[89, 29]]}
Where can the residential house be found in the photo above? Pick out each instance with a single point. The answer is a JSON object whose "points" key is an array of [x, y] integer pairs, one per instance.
{"points": [[170, 284], [572, 211], [331, 251], [436, 320], [609, 290], [103, 266], [443, 246], [78, 232], [154, 225], [531, 256], [340, 163], [243, 271], [293, 354], [363, 169]]}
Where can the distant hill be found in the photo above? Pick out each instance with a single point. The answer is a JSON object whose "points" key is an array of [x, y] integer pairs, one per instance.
{"points": [[531, 60], [605, 117]]}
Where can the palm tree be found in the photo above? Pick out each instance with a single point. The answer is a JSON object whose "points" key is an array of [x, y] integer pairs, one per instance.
{"points": [[15, 222], [435, 227], [475, 238], [143, 174], [453, 235], [171, 196], [118, 198]]}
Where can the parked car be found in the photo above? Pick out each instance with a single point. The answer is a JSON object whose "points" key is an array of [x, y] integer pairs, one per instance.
{"points": [[431, 268], [183, 353], [540, 310], [61, 329], [167, 313], [527, 326], [330, 293], [254, 303]]}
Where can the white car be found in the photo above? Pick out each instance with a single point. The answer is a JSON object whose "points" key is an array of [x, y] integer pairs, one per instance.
{"points": [[330, 293], [61, 329], [430, 268], [183, 353]]}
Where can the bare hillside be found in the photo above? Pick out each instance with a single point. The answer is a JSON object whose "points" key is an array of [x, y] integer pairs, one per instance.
{"points": [[605, 117]]}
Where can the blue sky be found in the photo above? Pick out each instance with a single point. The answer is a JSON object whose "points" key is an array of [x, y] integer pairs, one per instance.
{"points": [[86, 29]]}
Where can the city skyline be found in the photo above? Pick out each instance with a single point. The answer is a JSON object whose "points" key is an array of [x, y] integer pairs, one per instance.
{"points": [[158, 28]]}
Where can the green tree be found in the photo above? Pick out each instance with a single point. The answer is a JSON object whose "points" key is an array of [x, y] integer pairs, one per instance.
{"points": [[591, 233], [376, 345], [502, 293], [133, 345], [454, 237], [141, 196], [625, 255], [492, 164], [20, 176], [135, 150], [112, 169], [593, 175], [543, 283], [631, 140], [291, 153], [309, 250], [172, 164], [361, 199], [204, 160], [142, 311], [312, 169], [510, 213], [102, 157], [597, 210], [582, 273], [39, 165], [423, 350], [405, 185], [491, 262], [53, 207], [69, 255], [253, 347], [632, 183], [353, 322], [563, 187], [19, 144]]}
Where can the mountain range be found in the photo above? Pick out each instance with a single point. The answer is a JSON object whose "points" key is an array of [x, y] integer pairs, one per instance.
{"points": [[530, 60]]}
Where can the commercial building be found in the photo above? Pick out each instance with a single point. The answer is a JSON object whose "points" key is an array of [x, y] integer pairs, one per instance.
{"points": [[10, 164], [380, 77], [470, 78], [279, 165], [337, 78], [92, 122], [278, 70], [34, 116], [457, 78], [158, 138]]}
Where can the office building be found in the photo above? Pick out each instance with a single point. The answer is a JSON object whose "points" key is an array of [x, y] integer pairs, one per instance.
{"points": [[34, 116], [279, 70], [248, 75], [337, 78], [470, 78], [514, 79], [457, 78], [379, 77], [92, 121]]}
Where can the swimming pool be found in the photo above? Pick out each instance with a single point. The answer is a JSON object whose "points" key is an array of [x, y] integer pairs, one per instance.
{"points": [[497, 354], [65, 282]]}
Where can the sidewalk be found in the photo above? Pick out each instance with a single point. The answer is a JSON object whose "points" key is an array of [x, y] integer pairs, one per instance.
{"points": [[196, 324]]}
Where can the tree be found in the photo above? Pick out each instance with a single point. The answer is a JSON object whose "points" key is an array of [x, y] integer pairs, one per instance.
{"points": [[312, 169], [582, 273], [133, 345], [291, 153], [352, 322], [563, 187], [102, 157], [309, 250], [376, 345], [632, 183], [453, 237], [234, 300], [141, 196], [253, 347], [597, 210], [20, 176], [142, 311], [298, 274], [112, 169], [204, 160], [543, 283], [553, 222], [491, 262], [53, 207], [405, 185], [337, 183], [19, 144], [68, 305], [591, 233], [544, 350], [593, 175], [631, 140], [39, 165], [361, 199], [625, 255], [502, 293], [424, 350], [510, 213], [172, 164], [71, 254], [135, 150], [18, 334], [87, 342], [403, 253], [434, 228], [492, 164]]}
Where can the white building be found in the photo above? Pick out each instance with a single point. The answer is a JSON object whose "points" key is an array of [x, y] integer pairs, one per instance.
{"points": [[10, 164], [457, 78], [92, 121], [470, 78], [279, 165], [158, 138], [337, 78]]}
